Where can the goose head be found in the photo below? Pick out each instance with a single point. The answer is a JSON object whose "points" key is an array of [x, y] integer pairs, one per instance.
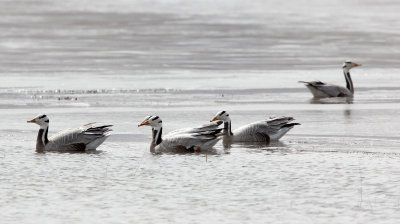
{"points": [[153, 121], [347, 65], [41, 120], [222, 116]]}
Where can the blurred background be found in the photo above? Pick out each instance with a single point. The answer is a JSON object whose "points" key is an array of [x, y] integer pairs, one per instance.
{"points": [[128, 36]]}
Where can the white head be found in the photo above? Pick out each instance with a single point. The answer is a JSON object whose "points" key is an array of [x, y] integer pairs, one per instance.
{"points": [[41, 120], [222, 116], [347, 65], [153, 121]]}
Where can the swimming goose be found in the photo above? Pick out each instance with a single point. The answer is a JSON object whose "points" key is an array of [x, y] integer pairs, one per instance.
{"points": [[322, 90], [271, 129], [87, 137], [182, 140]]}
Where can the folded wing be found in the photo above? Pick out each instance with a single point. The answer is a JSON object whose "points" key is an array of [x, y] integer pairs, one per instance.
{"points": [[89, 136], [203, 137], [321, 89], [270, 129]]}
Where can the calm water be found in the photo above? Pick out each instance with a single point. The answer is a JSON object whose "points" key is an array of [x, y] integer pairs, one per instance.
{"points": [[119, 61]]}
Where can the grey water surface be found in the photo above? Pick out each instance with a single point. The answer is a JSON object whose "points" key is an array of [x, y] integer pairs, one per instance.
{"points": [[119, 61]]}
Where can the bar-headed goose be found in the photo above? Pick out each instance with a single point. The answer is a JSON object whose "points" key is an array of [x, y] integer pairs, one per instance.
{"points": [[182, 140], [321, 90], [271, 129], [87, 137]]}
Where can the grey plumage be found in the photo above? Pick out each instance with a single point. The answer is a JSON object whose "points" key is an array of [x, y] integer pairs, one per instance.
{"points": [[87, 137], [210, 127], [182, 140], [321, 90], [271, 129]]}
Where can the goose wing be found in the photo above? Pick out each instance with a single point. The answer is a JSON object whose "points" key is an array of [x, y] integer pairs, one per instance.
{"points": [[269, 129], [327, 89], [212, 126], [191, 141], [254, 132], [333, 90], [276, 123], [78, 138]]}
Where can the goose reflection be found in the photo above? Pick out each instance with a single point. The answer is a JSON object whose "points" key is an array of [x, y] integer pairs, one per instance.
{"points": [[272, 145], [332, 100]]}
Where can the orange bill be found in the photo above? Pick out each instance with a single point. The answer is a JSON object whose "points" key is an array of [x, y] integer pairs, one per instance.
{"points": [[143, 123]]}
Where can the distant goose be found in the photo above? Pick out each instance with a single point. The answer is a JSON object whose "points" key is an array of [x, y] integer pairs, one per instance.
{"points": [[271, 129], [182, 140], [322, 90], [87, 137]]}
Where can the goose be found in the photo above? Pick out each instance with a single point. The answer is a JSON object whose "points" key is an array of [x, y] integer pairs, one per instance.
{"points": [[182, 140], [87, 137], [321, 90], [271, 129]]}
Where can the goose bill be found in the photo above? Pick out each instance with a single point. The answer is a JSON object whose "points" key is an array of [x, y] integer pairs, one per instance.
{"points": [[143, 123], [31, 121], [214, 119], [355, 64]]}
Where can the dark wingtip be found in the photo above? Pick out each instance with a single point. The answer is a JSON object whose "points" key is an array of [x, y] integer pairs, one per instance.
{"points": [[291, 125]]}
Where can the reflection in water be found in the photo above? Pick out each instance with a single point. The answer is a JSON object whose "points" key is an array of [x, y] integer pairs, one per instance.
{"points": [[332, 100], [212, 151], [347, 113], [254, 145], [72, 152], [335, 100]]}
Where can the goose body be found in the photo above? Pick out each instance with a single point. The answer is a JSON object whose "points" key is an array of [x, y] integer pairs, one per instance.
{"points": [[87, 137], [182, 140], [271, 129], [322, 90]]}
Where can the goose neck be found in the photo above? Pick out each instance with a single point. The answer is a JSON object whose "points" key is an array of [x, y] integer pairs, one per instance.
{"points": [[349, 81], [157, 135], [228, 127], [42, 139]]}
